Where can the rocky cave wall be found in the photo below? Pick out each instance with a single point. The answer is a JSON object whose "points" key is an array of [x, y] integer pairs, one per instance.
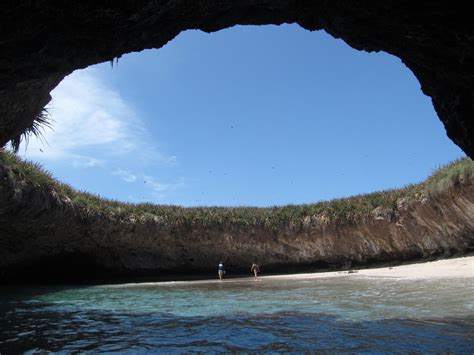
{"points": [[43, 41]]}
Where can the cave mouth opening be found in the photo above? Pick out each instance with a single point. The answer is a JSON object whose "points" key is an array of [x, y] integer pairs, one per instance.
{"points": [[261, 116]]}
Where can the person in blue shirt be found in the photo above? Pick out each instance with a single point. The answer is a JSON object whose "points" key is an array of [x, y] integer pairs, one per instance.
{"points": [[221, 270]]}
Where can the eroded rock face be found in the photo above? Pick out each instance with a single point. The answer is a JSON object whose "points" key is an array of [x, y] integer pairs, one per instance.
{"points": [[42, 41], [45, 235]]}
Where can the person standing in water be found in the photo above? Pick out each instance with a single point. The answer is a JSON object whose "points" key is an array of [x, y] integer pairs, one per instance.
{"points": [[255, 269], [220, 270]]}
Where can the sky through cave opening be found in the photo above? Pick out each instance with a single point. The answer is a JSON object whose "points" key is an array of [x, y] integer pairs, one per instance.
{"points": [[251, 115]]}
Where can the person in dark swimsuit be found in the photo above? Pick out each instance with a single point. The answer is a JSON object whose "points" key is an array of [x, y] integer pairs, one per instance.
{"points": [[255, 269]]}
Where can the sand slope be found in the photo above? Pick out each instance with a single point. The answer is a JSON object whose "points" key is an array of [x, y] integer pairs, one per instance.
{"points": [[447, 268]]}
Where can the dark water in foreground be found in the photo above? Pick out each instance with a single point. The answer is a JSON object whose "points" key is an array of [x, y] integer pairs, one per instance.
{"points": [[353, 314]]}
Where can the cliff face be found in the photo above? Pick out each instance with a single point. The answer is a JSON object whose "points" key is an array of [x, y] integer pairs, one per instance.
{"points": [[45, 235], [42, 41]]}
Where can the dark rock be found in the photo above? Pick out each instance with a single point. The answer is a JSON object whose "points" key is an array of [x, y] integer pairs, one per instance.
{"points": [[42, 41]]}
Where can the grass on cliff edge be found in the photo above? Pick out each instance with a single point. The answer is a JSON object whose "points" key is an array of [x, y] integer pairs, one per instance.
{"points": [[342, 210]]}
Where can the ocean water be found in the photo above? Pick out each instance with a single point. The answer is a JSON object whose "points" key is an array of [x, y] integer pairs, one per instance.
{"points": [[345, 314]]}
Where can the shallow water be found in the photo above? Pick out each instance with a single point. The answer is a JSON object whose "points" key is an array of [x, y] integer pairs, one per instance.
{"points": [[353, 314]]}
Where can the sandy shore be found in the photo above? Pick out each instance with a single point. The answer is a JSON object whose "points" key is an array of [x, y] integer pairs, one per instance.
{"points": [[447, 268]]}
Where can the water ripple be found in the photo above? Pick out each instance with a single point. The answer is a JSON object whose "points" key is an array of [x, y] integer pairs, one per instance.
{"points": [[354, 315]]}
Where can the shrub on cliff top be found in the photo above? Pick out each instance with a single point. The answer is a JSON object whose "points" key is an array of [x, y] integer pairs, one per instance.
{"points": [[342, 210], [453, 174]]}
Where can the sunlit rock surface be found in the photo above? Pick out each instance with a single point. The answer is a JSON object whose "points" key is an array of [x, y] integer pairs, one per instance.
{"points": [[44, 234]]}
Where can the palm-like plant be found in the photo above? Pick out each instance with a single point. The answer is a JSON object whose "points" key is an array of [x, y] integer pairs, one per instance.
{"points": [[37, 127]]}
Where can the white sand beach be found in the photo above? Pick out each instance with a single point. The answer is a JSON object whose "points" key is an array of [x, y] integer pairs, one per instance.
{"points": [[462, 267]]}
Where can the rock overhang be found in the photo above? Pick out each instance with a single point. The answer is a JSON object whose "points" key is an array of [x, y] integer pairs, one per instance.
{"points": [[43, 42]]}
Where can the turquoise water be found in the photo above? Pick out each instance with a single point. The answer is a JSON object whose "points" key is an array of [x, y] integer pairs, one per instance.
{"points": [[353, 314]]}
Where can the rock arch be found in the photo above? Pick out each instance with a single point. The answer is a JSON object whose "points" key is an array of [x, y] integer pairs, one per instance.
{"points": [[42, 41]]}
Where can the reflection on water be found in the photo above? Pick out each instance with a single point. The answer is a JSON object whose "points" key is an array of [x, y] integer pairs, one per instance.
{"points": [[346, 314]]}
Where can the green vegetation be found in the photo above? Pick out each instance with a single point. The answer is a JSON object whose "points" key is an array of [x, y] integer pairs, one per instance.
{"points": [[344, 211], [41, 122], [453, 174]]}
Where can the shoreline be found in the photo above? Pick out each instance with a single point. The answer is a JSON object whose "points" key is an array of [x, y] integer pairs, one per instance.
{"points": [[460, 267]]}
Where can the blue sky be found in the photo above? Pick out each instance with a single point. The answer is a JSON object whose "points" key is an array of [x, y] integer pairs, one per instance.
{"points": [[260, 116]]}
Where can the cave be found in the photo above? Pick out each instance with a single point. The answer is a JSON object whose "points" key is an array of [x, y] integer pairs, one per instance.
{"points": [[42, 42]]}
